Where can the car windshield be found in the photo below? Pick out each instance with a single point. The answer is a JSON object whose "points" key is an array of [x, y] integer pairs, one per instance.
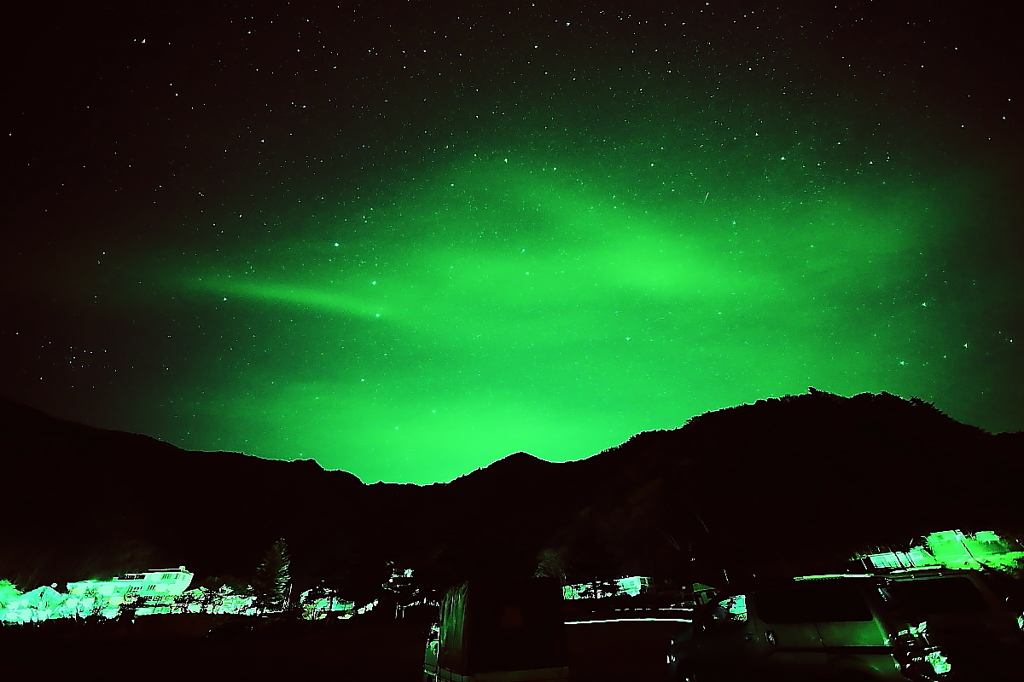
{"points": [[941, 595]]}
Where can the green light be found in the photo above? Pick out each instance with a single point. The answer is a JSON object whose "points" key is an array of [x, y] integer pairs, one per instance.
{"points": [[154, 591], [8, 592], [630, 586], [938, 662], [954, 549], [557, 303]]}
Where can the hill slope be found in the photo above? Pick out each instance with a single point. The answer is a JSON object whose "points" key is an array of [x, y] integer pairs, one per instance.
{"points": [[783, 482]]}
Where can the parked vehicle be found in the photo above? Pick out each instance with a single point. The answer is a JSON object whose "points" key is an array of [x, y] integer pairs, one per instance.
{"points": [[923, 625], [499, 631]]}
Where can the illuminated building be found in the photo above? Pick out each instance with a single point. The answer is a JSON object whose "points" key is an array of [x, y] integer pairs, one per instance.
{"points": [[631, 586], [952, 549], [154, 587], [36, 605]]}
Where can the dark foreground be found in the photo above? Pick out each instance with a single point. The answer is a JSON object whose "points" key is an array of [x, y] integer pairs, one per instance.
{"points": [[390, 652]]}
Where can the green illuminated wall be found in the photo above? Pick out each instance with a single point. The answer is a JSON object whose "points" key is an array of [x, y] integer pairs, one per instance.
{"points": [[628, 586]]}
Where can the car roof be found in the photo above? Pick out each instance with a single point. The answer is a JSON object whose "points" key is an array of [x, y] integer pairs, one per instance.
{"points": [[879, 577]]}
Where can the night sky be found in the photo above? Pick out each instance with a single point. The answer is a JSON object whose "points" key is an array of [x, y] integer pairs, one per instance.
{"points": [[408, 238]]}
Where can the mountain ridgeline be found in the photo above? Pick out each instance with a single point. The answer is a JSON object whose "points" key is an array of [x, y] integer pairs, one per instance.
{"points": [[782, 485]]}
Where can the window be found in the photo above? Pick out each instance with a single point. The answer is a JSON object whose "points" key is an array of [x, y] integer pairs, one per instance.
{"points": [[731, 608], [724, 615]]}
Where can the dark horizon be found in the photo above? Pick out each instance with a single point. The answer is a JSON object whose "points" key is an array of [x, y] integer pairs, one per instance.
{"points": [[875, 469]]}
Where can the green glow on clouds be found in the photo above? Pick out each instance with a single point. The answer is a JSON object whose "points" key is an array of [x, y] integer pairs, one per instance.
{"points": [[407, 247], [508, 303]]}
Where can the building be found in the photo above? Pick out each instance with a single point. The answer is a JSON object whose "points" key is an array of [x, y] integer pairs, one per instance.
{"points": [[631, 586], [319, 603], [33, 606], [952, 549], [154, 587]]}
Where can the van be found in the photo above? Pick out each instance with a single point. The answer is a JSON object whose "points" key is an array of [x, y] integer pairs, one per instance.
{"points": [[500, 630], [923, 625]]}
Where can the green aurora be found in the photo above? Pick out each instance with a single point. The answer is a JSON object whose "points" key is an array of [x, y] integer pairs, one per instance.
{"points": [[435, 246], [507, 304]]}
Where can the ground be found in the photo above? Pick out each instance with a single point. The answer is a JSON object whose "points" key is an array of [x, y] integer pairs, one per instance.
{"points": [[348, 651]]}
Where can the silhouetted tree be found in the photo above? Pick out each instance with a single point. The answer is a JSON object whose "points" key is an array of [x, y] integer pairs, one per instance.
{"points": [[91, 603], [128, 608], [271, 582], [184, 601], [551, 563]]}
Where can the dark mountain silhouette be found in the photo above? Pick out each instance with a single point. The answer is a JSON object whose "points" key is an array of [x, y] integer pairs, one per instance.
{"points": [[781, 485]]}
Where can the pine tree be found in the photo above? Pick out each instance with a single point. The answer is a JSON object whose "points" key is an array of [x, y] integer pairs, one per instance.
{"points": [[270, 585], [8, 592]]}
